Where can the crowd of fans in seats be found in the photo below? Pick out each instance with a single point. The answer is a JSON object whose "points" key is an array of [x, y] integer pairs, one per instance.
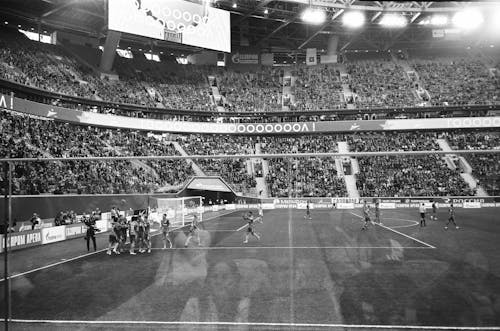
{"points": [[392, 141], [485, 167], [311, 177], [24, 136], [380, 84], [234, 171], [403, 176], [318, 88], [457, 81], [375, 82], [304, 177], [250, 91]]}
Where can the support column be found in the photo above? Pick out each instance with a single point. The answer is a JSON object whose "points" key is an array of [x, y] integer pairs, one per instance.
{"points": [[109, 53]]}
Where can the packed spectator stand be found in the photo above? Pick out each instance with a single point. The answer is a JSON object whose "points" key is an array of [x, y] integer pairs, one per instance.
{"points": [[376, 82]]}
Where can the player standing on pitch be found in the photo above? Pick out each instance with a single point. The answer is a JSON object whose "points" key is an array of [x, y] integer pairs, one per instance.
{"points": [[192, 230], [248, 217], [165, 227], [114, 236], [377, 212], [421, 209], [434, 211], [366, 215], [261, 213], [451, 217], [308, 211]]}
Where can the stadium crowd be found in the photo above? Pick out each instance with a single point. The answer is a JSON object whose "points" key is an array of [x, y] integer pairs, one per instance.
{"points": [[457, 81], [375, 82], [485, 167], [409, 176], [25, 136], [235, 171]]}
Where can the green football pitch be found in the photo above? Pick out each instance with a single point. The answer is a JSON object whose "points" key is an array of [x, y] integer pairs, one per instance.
{"points": [[319, 274]]}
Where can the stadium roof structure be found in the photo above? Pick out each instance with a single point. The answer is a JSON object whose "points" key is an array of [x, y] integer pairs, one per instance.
{"points": [[270, 25]]}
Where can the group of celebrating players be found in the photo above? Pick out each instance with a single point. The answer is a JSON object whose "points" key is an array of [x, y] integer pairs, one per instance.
{"points": [[138, 230]]}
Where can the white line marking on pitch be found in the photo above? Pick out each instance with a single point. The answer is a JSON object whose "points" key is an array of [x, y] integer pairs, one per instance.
{"points": [[85, 255], [323, 325], [396, 231], [283, 247], [242, 227]]}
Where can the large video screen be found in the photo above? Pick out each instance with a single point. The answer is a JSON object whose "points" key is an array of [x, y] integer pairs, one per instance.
{"points": [[178, 21]]}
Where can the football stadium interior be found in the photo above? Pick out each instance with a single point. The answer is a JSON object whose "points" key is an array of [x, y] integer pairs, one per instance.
{"points": [[249, 165]]}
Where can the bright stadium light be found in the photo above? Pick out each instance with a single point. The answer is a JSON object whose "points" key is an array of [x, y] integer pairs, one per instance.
{"points": [[468, 19], [393, 21], [313, 16], [353, 19], [439, 20]]}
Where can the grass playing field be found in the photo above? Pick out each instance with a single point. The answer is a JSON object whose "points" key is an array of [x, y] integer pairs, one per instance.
{"points": [[319, 274]]}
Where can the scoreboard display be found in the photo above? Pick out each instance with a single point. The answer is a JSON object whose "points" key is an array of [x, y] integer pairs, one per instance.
{"points": [[189, 23]]}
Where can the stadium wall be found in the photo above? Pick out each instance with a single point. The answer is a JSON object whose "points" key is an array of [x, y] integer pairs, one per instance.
{"points": [[48, 206]]}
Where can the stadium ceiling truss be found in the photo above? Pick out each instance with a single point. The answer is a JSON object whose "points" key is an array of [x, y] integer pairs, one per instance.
{"points": [[273, 25]]}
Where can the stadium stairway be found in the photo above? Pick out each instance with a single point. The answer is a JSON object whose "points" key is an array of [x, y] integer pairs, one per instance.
{"points": [[350, 180], [346, 90], [465, 169], [197, 170], [135, 163], [288, 90], [261, 181]]}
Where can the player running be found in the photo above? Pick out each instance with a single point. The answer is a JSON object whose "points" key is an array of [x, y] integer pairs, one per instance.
{"points": [[308, 212], [248, 217], [193, 229], [451, 217], [421, 209], [366, 215], [165, 228], [434, 211]]}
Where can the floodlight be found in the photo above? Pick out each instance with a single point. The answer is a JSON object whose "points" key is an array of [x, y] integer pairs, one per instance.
{"points": [[496, 19], [353, 19], [468, 19], [439, 20], [393, 21], [313, 16]]}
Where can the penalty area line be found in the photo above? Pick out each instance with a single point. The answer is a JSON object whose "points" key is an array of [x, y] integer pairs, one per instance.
{"points": [[400, 233], [268, 324]]}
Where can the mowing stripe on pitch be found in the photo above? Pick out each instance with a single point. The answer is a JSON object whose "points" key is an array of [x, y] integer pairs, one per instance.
{"points": [[88, 254], [304, 325], [396, 231]]}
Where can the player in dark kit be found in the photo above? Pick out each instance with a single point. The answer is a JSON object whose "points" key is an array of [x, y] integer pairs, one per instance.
{"points": [[308, 211], [366, 215], [141, 232], [248, 217], [91, 230], [451, 217]]}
